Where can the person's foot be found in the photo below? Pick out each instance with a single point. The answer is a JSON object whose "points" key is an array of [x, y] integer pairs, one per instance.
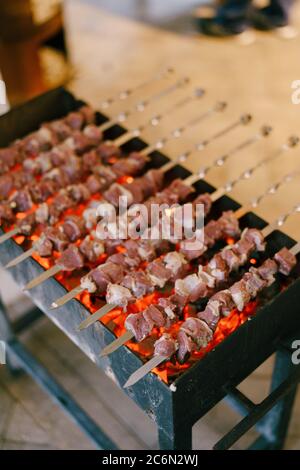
{"points": [[218, 27], [266, 20], [214, 22]]}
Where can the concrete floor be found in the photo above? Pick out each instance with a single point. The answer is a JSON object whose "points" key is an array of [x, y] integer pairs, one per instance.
{"points": [[254, 73]]}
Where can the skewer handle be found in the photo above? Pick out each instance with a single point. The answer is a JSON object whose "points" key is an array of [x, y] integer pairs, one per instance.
{"points": [[144, 370], [96, 316], [127, 336], [6, 236]]}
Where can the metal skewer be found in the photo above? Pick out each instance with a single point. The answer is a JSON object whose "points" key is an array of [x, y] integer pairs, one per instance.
{"points": [[124, 94], [141, 105], [155, 120], [158, 145], [73, 293], [155, 361], [103, 310]]}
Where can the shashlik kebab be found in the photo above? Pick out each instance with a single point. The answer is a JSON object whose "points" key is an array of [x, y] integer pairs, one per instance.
{"points": [[160, 271], [138, 189], [196, 332], [192, 287], [177, 191], [63, 155], [67, 129], [7, 211]]}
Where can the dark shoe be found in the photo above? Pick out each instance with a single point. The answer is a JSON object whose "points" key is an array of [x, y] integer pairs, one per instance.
{"points": [[219, 28], [264, 20]]}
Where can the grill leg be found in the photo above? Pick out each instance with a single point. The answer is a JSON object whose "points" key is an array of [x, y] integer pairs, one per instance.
{"points": [[7, 335], [179, 439], [274, 426]]}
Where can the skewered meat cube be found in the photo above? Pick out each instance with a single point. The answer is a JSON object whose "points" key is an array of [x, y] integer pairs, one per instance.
{"points": [[90, 160], [212, 232], [193, 334], [59, 129], [244, 247], [44, 246], [211, 314], [285, 260], [158, 273], [78, 192], [255, 236], [204, 199], [198, 330], [25, 225], [72, 169], [136, 190], [217, 267], [191, 287], [107, 151], [31, 166], [75, 120], [6, 185], [229, 224], [93, 133], [21, 200], [240, 294], [115, 192], [30, 146], [267, 271], [154, 315], [225, 301], [131, 165], [192, 248], [74, 227], [91, 249], [138, 325], [88, 114], [206, 276], [57, 176], [119, 295], [6, 213], [20, 179], [62, 201], [9, 157], [185, 346], [254, 282], [90, 215], [175, 262], [57, 238], [231, 257], [138, 284], [165, 346], [41, 191], [152, 182], [58, 155], [42, 213], [71, 259], [95, 183], [99, 278], [170, 306]]}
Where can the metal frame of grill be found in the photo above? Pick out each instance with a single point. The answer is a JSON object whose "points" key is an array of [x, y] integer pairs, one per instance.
{"points": [[175, 409]]}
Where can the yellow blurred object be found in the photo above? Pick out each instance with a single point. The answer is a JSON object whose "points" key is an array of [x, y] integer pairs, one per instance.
{"points": [[31, 43]]}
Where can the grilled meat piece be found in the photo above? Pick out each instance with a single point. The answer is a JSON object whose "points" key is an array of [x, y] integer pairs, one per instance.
{"points": [[285, 260], [74, 227], [71, 259], [165, 346]]}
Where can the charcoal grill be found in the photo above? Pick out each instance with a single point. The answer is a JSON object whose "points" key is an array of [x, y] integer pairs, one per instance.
{"points": [[177, 407]]}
